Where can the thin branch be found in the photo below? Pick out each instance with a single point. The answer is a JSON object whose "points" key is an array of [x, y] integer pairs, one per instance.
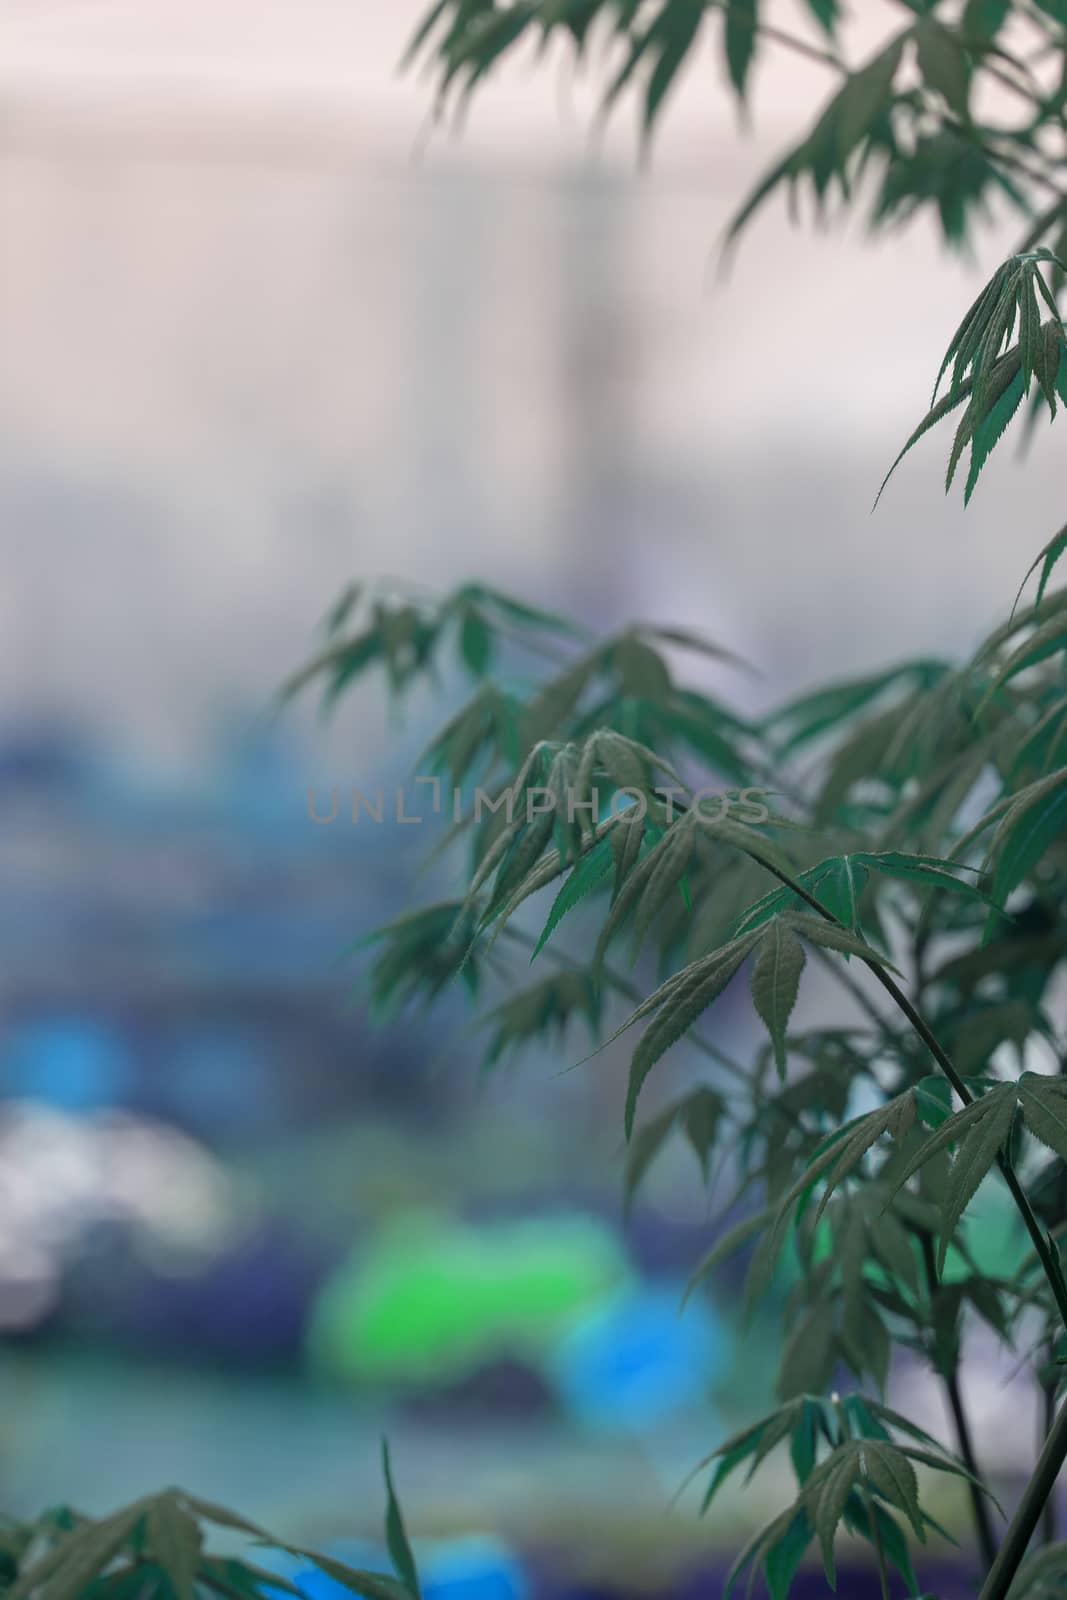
{"points": [[1048, 1412], [983, 1525]]}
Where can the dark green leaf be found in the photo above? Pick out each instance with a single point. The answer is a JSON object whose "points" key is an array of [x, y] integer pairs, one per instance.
{"points": [[776, 983]]}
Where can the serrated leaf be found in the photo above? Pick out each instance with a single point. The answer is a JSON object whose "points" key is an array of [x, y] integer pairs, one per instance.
{"points": [[589, 871], [884, 1534], [1036, 817], [980, 1130], [931, 871], [776, 984], [830, 936], [807, 1358], [685, 1003], [827, 1492], [892, 1474], [989, 430], [1044, 1106], [752, 1443], [669, 862]]}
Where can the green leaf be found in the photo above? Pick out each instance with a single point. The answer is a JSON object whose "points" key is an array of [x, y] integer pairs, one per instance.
{"points": [[840, 889], [1046, 559], [227, 1575], [209, 1511], [702, 984], [981, 1130], [371, 1585], [930, 871], [740, 40], [680, 23], [823, 710], [727, 1245], [883, 1532], [475, 642], [828, 1490], [782, 1560], [750, 1444], [669, 862], [1035, 819], [985, 18], [808, 1355], [826, 14], [776, 983], [988, 432], [701, 1114], [395, 1533], [174, 1539], [1044, 1107], [592, 869], [830, 936], [941, 409], [893, 1476], [65, 1570], [1042, 1576], [866, 96], [698, 1113], [943, 63]]}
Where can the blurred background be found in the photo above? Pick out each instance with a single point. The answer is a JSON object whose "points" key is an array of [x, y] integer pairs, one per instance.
{"points": [[265, 331]]}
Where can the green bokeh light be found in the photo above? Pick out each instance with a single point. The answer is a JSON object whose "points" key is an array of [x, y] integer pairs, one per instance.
{"points": [[431, 1300]]}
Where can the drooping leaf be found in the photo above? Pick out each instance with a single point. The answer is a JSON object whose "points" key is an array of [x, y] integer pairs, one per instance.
{"points": [[591, 870], [1043, 1101], [981, 1131], [395, 1533], [679, 24], [680, 1008], [173, 1537], [783, 1558], [1035, 819], [942, 62], [830, 936], [698, 1113], [740, 35], [808, 1355], [776, 983]]}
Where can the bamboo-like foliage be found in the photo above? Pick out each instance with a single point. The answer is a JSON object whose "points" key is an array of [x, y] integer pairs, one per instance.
{"points": [[156, 1548], [905, 830]]}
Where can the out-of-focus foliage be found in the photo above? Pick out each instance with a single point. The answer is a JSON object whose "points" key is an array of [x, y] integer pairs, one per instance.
{"points": [[157, 1547], [958, 105]]}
